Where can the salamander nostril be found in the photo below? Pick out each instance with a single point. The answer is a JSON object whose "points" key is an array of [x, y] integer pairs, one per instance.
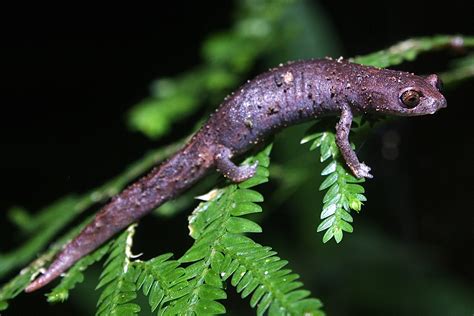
{"points": [[439, 85], [435, 81]]}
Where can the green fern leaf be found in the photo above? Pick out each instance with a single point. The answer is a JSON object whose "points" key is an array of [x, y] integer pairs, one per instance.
{"points": [[344, 192], [117, 279], [161, 280], [218, 230], [261, 272], [408, 50], [209, 222]]}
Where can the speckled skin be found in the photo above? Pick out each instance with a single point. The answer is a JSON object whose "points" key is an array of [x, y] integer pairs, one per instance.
{"points": [[286, 95]]}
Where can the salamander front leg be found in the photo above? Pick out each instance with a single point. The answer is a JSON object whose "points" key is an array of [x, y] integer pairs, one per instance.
{"points": [[343, 128], [230, 170]]}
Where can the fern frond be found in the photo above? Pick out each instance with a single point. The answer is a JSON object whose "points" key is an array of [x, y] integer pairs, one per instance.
{"points": [[344, 193], [201, 286], [201, 295], [160, 279], [218, 228], [75, 275], [205, 286], [410, 49], [258, 271], [116, 278]]}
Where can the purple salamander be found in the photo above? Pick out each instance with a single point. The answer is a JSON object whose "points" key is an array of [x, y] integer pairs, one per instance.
{"points": [[290, 94]]}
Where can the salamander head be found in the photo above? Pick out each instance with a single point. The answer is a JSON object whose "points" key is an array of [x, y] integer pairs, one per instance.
{"points": [[403, 94]]}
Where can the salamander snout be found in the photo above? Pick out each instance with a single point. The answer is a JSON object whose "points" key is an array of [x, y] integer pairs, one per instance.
{"points": [[437, 104]]}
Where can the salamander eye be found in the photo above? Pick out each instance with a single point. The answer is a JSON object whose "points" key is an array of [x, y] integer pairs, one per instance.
{"points": [[410, 98]]}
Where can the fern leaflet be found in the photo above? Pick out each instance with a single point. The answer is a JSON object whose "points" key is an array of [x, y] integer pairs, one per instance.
{"points": [[119, 288], [343, 191], [256, 269], [161, 280]]}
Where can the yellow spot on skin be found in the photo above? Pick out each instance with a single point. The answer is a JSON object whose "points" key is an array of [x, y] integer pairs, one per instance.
{"points": [[288, 77]]}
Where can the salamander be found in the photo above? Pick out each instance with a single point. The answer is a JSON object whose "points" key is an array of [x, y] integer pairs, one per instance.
{"points": [[286, 95]]}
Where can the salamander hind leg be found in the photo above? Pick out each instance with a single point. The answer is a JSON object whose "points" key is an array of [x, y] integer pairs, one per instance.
{"points": [[230, 170]]}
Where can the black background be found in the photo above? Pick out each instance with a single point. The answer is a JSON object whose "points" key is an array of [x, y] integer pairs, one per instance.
{"points": [[68, 75]]}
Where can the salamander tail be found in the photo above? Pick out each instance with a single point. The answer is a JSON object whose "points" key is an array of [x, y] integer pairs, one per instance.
{"points": [[160, 185]]}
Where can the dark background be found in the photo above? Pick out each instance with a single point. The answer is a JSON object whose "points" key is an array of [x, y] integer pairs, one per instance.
{"points": [[67, 79]]}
